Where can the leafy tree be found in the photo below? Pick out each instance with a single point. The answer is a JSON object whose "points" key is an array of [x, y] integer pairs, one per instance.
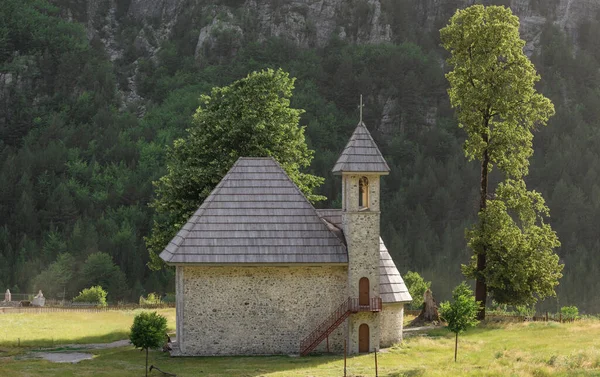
{"points": [[93, 294], [461, 313], [250, 118], [54, 280], [492, 88], [416, 287], [521, 263], [99, 269], [149, 330]]}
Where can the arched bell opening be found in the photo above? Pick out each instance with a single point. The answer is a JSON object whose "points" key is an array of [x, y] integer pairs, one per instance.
{"points": [[363, 193]]}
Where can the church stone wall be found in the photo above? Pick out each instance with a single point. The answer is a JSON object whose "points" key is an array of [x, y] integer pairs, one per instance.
{"points": [[391, 317], [258, 310]]}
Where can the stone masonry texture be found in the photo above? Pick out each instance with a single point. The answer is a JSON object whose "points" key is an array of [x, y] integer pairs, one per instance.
{"points": [[361, 228], [258, 310], [391, 319]]}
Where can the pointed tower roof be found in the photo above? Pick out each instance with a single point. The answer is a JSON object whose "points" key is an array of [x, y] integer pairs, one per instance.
{"points": [[361, 154], [391, 284], [256, 214]]}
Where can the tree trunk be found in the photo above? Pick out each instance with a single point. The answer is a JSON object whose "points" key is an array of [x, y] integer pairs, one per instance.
{"points": [[429, 313], [480, 286], [146, 362], [455, 346]]}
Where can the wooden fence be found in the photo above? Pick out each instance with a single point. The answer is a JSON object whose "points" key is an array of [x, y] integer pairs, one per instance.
{"points": [[86, 309], [548, 317]]}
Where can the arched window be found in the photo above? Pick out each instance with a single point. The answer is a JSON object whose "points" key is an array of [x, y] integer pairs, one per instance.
{"points": [[363, 193]]}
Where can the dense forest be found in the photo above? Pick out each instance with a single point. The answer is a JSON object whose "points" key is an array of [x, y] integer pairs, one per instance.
{"points": [[79, 152]]}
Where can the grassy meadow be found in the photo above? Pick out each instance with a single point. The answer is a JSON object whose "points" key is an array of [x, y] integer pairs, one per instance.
{"points": [[47, 329], [492, 349]]}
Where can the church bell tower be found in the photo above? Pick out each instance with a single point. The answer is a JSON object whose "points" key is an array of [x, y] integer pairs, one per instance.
{"points": [[361, 166]]}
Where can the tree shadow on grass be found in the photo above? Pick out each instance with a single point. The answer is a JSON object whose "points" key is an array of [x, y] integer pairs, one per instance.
{"points": [[58, 340], [484, 327], [234, 366]]}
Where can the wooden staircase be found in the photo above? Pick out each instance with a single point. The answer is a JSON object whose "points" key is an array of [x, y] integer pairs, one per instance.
{"points": [[351, 305]]}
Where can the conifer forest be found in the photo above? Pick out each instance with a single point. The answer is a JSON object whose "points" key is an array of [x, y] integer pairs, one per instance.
{"points": [[94, 93]]}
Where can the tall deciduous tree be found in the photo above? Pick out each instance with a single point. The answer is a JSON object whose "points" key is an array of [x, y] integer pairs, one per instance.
{"points": [[492, 88], [250, 118]]}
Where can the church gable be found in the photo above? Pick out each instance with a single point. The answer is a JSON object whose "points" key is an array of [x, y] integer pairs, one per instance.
{"points": [[256, 214]]}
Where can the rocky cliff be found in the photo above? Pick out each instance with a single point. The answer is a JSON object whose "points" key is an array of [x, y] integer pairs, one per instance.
{"points": [[129, 29]]}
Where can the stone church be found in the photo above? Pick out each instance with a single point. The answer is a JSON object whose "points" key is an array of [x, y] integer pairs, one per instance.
{"points": [[260, 271]]}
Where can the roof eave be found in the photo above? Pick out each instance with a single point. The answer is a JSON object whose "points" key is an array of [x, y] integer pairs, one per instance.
{"points": [[342, 172], [265, 264]]}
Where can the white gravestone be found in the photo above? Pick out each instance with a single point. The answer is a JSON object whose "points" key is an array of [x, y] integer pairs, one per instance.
{"points": [[39, 300]]}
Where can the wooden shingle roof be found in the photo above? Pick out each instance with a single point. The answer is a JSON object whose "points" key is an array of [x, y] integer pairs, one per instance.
{"points": [[256, 214], [391, 285], [361, 154]]}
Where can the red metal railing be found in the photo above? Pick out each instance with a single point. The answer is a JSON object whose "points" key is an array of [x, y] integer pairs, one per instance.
{"points": [[351, 305]]}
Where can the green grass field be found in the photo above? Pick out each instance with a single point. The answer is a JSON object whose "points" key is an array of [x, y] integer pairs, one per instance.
{"points": [[47, 329], [507, 349]]}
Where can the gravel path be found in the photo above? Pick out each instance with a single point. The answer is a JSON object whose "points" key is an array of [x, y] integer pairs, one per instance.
{"points": [[76, 356], [64, 357]]}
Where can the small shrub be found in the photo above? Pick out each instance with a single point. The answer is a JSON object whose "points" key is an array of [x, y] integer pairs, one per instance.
{"points": [[151, 299], [149, 330], [94, 294], [525, 311], [416, 287], [169, 298], [569, 313]]}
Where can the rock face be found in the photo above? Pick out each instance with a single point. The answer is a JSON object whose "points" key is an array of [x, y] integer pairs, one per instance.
{"points": [[221, 25], [308, 23]]}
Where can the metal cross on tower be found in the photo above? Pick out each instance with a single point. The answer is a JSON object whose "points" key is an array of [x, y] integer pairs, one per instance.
{"points": [[361, 108]]}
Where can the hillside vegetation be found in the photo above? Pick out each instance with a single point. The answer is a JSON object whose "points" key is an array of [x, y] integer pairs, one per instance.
{"points": [[78, 155]]}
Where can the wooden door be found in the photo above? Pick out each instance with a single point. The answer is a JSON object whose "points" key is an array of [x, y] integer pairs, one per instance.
{"points": [[363, 292], [363, 338]]}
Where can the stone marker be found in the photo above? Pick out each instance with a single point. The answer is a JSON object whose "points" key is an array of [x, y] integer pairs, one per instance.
{"points": [[7, 296], [39, 300]]}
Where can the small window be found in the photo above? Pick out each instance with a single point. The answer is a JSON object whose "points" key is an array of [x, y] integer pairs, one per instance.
{"points": [[363, 193]]}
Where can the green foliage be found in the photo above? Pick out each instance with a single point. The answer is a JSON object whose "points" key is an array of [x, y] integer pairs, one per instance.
{"points": [[55, 281], [460, 314], [525, 311], [99, 269], [151, 299], [94, 294], [521, 263], [492, 88], [68, 137], [149, 330], [569, 312], [416, 287], [250, 118]]}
